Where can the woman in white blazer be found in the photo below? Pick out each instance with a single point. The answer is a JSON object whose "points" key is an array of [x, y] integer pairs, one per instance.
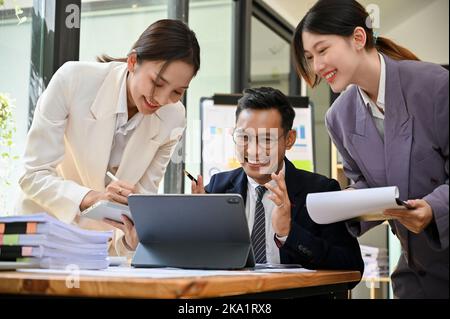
{"points": [[119, 115]]}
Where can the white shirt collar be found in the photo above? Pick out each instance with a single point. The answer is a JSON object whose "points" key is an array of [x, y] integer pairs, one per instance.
{"points": [[381, 92], [123, 125], [253, 184]]}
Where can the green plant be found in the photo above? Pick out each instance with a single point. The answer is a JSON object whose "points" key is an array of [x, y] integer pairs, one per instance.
{"points": [[18, 10], [7, 130]]}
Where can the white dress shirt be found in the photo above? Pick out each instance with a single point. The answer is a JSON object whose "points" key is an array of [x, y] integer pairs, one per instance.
{"points": [[374, 108], [272, 251], [124, 129]]}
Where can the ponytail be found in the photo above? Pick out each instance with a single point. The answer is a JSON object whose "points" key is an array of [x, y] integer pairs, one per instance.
{"points": [[104, 58], [393, 50]]}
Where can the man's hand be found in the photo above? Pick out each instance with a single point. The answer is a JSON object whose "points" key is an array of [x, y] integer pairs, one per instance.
{"points": [[281, 215], [197, 188], [415, 220]]}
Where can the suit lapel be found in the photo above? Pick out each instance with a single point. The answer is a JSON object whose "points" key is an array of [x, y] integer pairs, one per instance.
{"points": [[102, 126], [398, 127], [294, 186], [239, 184], [367, 146]]}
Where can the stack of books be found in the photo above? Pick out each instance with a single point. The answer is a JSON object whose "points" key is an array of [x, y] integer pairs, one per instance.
{"points": [[376, 262], [43, 241]]}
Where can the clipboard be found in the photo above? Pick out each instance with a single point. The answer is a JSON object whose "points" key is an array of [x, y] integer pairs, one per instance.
{"points": [[402, 205], [356, 205], [106, 209]]}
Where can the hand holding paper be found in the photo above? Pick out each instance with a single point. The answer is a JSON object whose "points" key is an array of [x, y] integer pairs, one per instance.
{"points": [[417, 219], [363, 204]]}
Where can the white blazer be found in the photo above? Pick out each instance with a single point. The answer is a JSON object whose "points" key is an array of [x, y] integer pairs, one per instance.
{"points": [[69, 143]]}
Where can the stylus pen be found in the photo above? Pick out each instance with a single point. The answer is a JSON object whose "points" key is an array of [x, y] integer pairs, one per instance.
{"points": [[193, 179], [190, 176], [111, 175]]}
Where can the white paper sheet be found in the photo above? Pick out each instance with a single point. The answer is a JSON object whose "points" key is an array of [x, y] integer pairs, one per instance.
{"points": [[130, 272], [365, 204]]}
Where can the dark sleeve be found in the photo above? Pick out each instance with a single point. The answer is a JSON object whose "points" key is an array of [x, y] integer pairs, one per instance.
{"points": [[330, 247], [210, 187]]}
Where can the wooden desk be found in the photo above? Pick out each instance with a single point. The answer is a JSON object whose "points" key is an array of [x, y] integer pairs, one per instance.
{"points": [[287, 285]]}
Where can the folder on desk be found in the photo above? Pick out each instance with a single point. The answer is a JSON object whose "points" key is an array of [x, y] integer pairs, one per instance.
{"points": [[206, 231]]}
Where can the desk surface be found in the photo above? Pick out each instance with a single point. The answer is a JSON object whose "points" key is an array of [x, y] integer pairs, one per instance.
{"points": [[18, 283]]}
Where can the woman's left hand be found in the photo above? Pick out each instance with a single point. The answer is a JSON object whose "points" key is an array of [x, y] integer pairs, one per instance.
{"points": [[127, 226], [281, 215], [416, 219]]}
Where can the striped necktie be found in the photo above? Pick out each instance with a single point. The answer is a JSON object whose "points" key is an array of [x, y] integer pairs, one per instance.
{"points": [[259, 228]]}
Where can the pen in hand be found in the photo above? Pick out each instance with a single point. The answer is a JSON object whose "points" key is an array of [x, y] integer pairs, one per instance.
{"points": [[196, 182], [120, 190], [111, 175], [190, 177]]}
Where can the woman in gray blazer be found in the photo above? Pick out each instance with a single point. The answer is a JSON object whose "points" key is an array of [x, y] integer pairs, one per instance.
{"points": [[390, 125]]}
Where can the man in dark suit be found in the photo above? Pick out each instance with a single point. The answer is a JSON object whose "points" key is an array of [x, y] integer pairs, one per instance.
{"points": [[275, 191]]}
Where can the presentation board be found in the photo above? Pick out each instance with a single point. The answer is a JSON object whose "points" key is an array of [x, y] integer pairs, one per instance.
{"points": [[218, 122]]}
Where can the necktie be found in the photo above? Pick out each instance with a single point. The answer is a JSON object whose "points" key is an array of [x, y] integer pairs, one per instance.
{"points": [[259, 228]]}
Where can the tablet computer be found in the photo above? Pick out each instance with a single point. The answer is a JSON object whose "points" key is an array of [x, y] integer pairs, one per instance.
{"points": [[199, 231], [106, 209]]}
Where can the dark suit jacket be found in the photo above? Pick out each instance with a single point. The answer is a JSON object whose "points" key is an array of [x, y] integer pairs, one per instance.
{"points": [[312, 245]]}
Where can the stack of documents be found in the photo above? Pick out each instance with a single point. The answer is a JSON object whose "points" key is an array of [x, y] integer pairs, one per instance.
{"points": [[44, 241], [376, 262]]}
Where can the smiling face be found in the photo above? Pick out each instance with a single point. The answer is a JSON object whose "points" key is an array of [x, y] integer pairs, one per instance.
{"points": [[263, 155], [333, 58], [148, 88]]}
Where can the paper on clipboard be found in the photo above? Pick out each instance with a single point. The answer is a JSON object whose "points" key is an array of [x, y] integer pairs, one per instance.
{"points": [[106, 209], [362, 204]]}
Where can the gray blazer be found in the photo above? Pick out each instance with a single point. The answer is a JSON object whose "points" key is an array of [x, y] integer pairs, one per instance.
{"points": [[413, 156]]}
